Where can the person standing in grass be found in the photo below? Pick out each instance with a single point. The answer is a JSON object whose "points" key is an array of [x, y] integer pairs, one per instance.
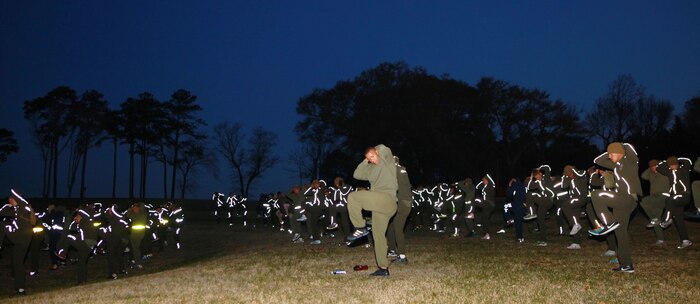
{"points": [[540, 195], [20, 218], [654, 203], [379, 169], [397, 243], [696, 191], [515, 194], [297, 212], [678, 196], [486, 203], [576, 184], [622, 198]]}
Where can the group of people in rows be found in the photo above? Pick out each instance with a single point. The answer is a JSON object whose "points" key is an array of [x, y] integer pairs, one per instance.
{"points": [[604, 196], [125, 237]]}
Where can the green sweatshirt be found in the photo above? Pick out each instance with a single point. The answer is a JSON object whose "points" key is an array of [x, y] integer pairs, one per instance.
{"points": [[381, 177], [658, 183]]}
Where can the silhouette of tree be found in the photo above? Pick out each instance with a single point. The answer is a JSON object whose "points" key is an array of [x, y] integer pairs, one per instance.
{"points": [[8, 144], [614, 115], [194, 155], [86, 119], [48, 116], [143, 121], [248, 163], [182, 123]]}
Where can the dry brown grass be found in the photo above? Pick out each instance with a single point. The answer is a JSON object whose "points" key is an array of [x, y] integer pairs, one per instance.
{"points": [[231, 265]]}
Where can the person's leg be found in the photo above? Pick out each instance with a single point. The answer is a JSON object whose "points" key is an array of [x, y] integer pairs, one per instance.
{"points": [[518, 213], [623, 206], [600, 201], [677, 205], [34, 250], [403, 209], [380, 222], [543, 205], [653, 206], [20, 245], [696, 194]]}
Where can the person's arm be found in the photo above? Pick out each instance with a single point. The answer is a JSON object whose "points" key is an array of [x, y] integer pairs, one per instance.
{"points": [[363, 170], [603, 161], [646, 175], [663, 168], [697, 165]]}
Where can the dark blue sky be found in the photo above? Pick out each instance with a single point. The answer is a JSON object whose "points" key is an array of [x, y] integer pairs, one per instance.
{"points": [[250, 61]]}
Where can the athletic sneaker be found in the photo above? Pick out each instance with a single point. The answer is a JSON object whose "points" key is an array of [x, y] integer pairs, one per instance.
{"points": [[521, 240], [361, 232], [659, 243], [530, 216], [302, 218], [541, 244], [315, 242], [502, 231], [298, 241], [575, 229], [454, 235], [574, 246], [403, 260], [609, 253], [605, 229], [392, 254], [486, 237], [296, 237], [665, 224], [627, 269], [685, 244], [332, 226]]}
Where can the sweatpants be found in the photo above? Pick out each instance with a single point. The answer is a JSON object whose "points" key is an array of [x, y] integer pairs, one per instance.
{"points": [[383, 207], [654, 205], [395, 232], [622, 206]]}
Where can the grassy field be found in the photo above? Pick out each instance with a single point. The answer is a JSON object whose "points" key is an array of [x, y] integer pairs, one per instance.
{"points": [[221, 264]]}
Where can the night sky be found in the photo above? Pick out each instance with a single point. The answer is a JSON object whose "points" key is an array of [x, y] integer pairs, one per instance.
{"points": [[250, 61]]}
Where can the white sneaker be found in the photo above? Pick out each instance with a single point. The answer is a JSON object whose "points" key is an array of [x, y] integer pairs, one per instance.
{"points": [[315, 242], [486, 237], [502, 231], [685, 244], [302, 218], [575, 229], [659, 243], [574, 246]]}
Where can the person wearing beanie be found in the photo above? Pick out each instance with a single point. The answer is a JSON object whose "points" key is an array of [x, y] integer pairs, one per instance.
{"points": [[678, 172], [615, 206], [654, 203]]}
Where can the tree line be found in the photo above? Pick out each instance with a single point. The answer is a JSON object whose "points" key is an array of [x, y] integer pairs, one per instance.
{"points": [[444, 129], [66, 126]]}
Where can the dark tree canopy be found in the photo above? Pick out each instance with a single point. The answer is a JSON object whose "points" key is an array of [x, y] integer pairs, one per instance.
{"points": [[443, 129], [8, 144]]}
